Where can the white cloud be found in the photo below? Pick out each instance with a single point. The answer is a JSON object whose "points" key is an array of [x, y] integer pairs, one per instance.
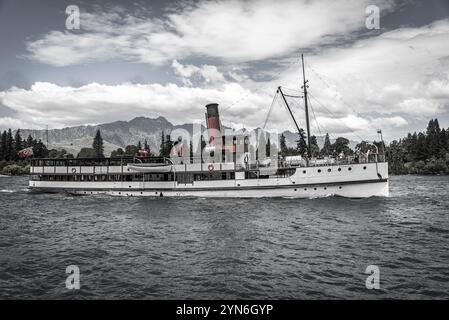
{"points": [[57, 106], [384, 81], [8, 122], [235, 31], [208, 73]]}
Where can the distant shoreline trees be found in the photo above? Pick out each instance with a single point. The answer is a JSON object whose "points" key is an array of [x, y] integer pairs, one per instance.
{"points": [[422, 152], [418, 153]]}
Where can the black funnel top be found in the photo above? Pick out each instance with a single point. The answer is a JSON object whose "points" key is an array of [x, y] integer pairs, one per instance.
{"points": [[212, 110]]}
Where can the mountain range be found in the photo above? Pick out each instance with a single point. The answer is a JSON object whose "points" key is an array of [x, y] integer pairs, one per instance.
{"points": [[119, 134]]}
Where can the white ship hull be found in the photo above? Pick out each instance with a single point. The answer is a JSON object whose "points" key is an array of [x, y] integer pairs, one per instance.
{"points": [[353, 181]]}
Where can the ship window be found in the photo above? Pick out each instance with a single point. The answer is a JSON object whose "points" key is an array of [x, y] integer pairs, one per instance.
{"points": [[305, 189], [304, 171], [364, 168], [325, 188], [339, 169], [319, 170], [314, 188], [329, 170], [295, 189], [339, 187], [349, 169]]}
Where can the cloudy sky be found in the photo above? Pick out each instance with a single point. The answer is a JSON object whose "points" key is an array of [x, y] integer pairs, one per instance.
{"points": [[166, 58]]}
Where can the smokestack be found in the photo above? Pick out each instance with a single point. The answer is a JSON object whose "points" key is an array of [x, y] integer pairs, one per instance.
{"points": [[212, 117], [213, 122]]}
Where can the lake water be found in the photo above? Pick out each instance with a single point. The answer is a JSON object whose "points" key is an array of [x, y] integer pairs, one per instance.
{"points": [[165, 248]]}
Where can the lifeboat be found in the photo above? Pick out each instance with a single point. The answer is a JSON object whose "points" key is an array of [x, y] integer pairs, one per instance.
{"points": [[150, 167]]}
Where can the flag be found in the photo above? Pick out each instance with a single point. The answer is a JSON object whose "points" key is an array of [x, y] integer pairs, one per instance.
{"points": [[25, 153]]}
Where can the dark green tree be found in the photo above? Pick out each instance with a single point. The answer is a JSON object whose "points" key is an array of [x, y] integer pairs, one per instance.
{"points": [[283, 146], [326, 151], [18, 144], [117, 153], [341, 145], [40, 150], [314, 148], [9, 152], [146, 146], [131, 150], [162, 146], [97, 145], [3, 145]]}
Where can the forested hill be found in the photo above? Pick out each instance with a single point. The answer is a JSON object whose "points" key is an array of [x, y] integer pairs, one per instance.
{"points": [[421, 153]]}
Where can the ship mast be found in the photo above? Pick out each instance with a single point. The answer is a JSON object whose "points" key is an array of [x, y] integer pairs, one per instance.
{"points": [[306, 106]]}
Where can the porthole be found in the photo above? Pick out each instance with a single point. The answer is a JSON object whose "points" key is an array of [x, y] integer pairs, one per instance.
{"points": [[295, 190], [141, 192], [238, 185], [319, 170], [349, 169], [119, 193], [130, 186], [304, 171], [329, 170], [364, 168], [305, 189], [314, 188], [339, 169], [339, 187], [325, 188]]}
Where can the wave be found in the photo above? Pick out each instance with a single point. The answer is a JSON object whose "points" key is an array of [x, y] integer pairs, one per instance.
{"points": [[8, 190]]}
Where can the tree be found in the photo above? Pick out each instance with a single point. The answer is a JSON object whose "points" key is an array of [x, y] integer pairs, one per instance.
{"points": [[433, 138], [117, 153], [29, 142], [283, 145], [97, 145], [327, 147], [301, 146], [168, 145], [3, 146], [9, 152], [146, 146], [341, 145], [131, 150], [162, 146], [139, 145], [18, 144], [40, 150], [314, 148], [191, 150], [268, 147]]}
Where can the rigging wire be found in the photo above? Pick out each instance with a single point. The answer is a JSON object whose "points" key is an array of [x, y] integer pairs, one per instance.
{"points": [[270, 110], [336, 118], [336, 96]]}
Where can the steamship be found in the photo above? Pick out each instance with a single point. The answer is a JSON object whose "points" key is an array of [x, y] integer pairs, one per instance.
{"points": [[228, 165]]}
